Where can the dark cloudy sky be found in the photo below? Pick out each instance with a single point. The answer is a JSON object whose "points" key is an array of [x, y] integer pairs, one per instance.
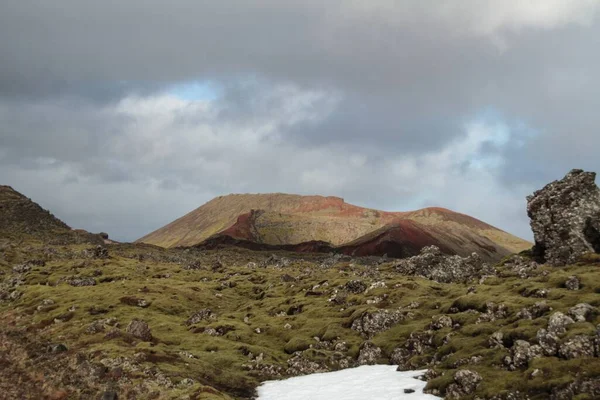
{"points": [[121, 116]]}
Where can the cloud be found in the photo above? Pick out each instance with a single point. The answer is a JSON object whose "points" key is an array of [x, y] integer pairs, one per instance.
{"points": [[164, 155], [465, 104]]}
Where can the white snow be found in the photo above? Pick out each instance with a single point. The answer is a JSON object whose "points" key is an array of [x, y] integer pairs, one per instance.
{"points": [[375, 382]]}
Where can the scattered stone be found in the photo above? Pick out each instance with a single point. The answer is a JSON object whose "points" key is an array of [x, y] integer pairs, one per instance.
{"points": [[573, 283], [577, 347], [202, 315], [565, 217], [139, 329], [408, 391], [368, 354]]}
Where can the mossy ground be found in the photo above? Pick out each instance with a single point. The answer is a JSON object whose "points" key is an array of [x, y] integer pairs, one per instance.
{"points": [[245, 299]]}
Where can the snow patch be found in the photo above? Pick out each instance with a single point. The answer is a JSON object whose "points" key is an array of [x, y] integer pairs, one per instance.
{"points": [[377, 382]]}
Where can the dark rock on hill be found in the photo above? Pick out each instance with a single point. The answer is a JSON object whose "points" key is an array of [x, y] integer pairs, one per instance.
{"points": [[565, 218], [20, 216]]}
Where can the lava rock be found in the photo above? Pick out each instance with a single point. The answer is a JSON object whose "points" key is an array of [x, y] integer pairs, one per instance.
{"points": [[573, 283], [370, 323], [465, 383], [577, 347], [355, 287], [139, 329], [558, 323], [582, 312], [548, 341], [368, 354], [435, 265], [202, 315], [565, 218]]}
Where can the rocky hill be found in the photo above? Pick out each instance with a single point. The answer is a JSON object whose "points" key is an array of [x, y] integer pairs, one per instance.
{"points": [[283, 219]]}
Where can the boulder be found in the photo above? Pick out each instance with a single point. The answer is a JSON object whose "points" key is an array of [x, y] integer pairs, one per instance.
{"points": [[582, 312], [565, 218], [535, 311], [496, 340], [522, 353], [573, 283], [465, 383], [558, 323], [139, 329], [548, 341], [577, 347], [368, 354]]}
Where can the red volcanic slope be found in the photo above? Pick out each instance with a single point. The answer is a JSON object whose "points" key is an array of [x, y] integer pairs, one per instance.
{"points": [[282, 219]]}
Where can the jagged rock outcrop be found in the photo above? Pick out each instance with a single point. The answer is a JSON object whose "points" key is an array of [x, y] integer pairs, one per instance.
{"points": [[431, 263], [565, 218]]}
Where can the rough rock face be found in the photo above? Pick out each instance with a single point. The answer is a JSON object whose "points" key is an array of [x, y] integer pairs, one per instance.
{"points": [[435, 265], [565, 218]]}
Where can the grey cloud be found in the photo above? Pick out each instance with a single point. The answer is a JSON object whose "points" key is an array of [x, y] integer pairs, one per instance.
{"points": [[400, 80]]}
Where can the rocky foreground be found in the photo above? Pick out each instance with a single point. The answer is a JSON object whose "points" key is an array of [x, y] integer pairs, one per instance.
{"points": [[107, 321]]}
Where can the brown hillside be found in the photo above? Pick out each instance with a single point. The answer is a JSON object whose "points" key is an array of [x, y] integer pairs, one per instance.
{"points": [[283, 219]]}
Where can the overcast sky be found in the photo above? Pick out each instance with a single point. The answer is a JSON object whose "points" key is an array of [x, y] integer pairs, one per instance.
{"points": [[121, 116]]}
